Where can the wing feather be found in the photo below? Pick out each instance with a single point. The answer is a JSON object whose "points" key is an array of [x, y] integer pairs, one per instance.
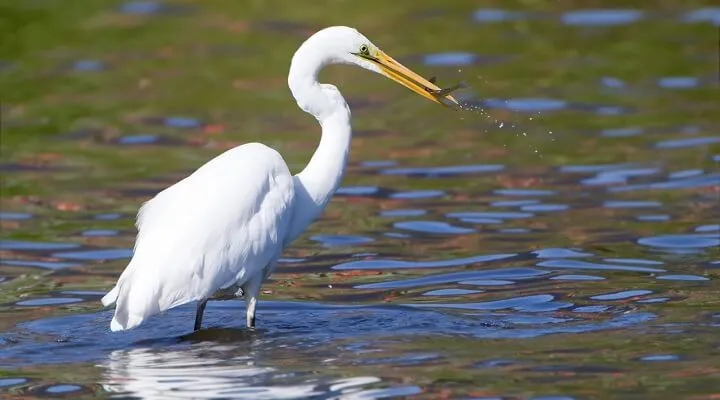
{"points": [[219, 226]]}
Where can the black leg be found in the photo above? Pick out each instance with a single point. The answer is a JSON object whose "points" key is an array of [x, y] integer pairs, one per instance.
{"points": [[252, 321], [198, 316]]}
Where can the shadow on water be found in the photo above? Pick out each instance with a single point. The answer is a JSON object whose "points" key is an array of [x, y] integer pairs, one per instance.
{"points": [[557, 239]]}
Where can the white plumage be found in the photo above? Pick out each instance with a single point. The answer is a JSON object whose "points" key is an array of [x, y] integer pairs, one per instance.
{"points": [[178, 260], [222, 228]]}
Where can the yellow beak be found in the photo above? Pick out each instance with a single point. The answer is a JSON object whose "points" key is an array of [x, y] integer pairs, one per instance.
{"points": [[404, 76]]}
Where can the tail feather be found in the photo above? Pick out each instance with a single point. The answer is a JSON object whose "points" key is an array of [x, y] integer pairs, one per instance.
{"points": [[131, 309], [125, 323], [135, 300], [140, 295], [110, 298]]}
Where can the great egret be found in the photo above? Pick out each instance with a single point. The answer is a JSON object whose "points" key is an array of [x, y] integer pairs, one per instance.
{"points": [[219, 231]]}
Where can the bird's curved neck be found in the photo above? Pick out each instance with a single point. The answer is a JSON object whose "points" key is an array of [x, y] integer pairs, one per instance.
{"points": [[315, 185], [323, 173]]}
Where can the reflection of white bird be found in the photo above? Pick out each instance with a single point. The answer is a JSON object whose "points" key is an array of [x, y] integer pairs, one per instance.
{"points": [[199, 372], [217, 371], [222, 229]]}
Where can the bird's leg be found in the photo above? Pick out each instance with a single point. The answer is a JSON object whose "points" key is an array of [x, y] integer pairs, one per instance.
{"points": [[251, 291], [199, 314], [252, 302]]}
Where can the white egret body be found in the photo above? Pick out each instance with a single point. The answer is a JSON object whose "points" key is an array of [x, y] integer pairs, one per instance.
{"points": [[222, 229]]}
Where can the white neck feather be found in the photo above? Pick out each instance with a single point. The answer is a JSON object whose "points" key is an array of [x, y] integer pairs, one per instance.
{"points": [[316, 184]]}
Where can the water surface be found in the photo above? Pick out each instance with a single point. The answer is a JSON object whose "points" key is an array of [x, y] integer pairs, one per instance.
{"points": [[557, 239]]}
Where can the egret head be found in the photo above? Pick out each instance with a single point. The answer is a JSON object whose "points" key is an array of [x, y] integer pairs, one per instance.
{"points": [[344, 45]]}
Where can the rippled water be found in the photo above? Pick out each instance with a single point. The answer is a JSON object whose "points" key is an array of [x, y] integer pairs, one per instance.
{"points": [[558, 239]]}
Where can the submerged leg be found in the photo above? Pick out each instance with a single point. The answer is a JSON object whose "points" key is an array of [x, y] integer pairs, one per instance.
{"points": [[199, 314]]}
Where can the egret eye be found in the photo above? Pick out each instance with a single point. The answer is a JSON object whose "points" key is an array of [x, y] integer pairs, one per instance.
{"points": [[364, 50]]}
